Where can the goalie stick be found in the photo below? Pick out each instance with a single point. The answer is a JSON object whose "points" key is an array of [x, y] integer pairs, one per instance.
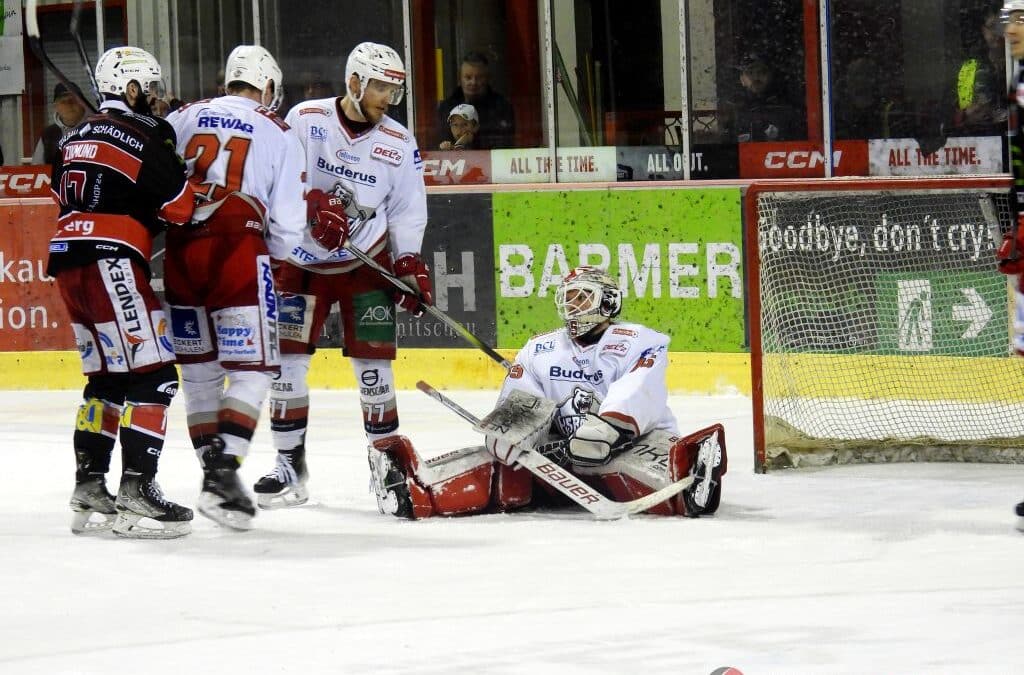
{"points": [[466, 334], [565, 482], [35, 41]]}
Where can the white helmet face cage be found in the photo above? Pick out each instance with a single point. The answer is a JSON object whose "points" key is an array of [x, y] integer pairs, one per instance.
{"points": [[121, 65], [587, 297], [371, 61], [256, 67]]}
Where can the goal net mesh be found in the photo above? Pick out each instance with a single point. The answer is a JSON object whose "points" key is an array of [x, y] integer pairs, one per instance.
{"points": [[884, 328]]}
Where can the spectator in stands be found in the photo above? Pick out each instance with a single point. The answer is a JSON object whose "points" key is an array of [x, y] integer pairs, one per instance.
{"points": [[496, 117], [314, 86], [764, 112], [464, 128], [68, 111], [861, 111], [981, 84]]}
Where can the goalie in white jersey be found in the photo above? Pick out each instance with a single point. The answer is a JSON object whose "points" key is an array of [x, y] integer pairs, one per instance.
{"points": [[219, 273], [612, 424], [359, 159]]}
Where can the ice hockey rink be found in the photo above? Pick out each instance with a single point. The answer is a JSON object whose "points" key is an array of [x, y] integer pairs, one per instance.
{"points": [[858, 569]]}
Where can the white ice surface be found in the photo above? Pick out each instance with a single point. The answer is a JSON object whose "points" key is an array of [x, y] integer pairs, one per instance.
{"points": [[867, 569]]}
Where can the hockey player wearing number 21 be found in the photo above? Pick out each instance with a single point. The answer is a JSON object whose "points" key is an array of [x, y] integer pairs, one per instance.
{"points": [[1010, 255], [364, 172], [607, 420], [246, 166]]}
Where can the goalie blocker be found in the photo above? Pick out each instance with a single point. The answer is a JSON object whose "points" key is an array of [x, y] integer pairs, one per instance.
{"points": [[470, 480]]}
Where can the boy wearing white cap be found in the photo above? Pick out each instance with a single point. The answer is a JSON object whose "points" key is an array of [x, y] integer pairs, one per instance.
{"points": [[464, 124]]}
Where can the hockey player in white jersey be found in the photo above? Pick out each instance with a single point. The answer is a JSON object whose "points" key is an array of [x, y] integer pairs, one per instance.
{"points": [[247, 165], [360, 158], [612, 425]]}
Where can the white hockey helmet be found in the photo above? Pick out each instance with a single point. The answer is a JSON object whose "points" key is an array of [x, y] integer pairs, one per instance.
{"points": [[1009, 7], [121, 65], [587, 297], [255, 66], [372, 61]]}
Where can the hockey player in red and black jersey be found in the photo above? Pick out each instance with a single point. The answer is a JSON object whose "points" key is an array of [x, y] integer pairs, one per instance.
{"points": [[1010, 256], [118, 182]]}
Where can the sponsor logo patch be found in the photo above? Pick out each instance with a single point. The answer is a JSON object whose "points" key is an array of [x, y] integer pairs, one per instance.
{"points": [[393, 133], [386, 153], [540, 347]]}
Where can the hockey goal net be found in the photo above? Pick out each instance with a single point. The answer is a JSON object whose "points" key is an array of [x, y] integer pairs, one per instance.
{"points": [[879, 327]]}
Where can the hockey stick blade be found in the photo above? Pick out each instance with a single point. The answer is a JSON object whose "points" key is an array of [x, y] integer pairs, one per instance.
{"points": [[564, 481], [466, 334], [35, 41]]}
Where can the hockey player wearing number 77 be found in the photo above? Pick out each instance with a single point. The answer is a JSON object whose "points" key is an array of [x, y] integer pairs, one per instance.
{"points": [[367, 166], [611, 423], [1010, 256]]}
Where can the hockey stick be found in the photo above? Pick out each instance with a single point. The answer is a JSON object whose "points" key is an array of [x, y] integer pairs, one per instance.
{"points": [[76, 14], [565, 482], [466, 334], [35, 41]]}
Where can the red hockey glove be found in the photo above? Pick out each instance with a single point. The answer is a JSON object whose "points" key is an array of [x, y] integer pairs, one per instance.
{"points": [[411, 269], [328, 221]]}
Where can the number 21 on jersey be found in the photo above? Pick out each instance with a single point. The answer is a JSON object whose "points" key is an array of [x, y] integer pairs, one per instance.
{"points": [[203, 149]]}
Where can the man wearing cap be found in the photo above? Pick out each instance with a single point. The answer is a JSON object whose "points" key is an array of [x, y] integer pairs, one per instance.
{"points": [[495, 115], [68, 111], [464, 125], [765, 112]]}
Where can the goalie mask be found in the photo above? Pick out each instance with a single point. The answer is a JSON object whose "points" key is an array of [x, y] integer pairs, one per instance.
{"points": [[254, 66], [372, 61], [122, 65], [587, 298]]}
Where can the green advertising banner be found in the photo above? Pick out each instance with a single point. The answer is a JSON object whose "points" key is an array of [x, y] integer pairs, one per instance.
{"points": [[933, 312], [677, 254]]}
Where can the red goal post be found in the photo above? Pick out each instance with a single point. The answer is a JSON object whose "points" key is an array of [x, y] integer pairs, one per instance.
{"points": [[879, 326]]}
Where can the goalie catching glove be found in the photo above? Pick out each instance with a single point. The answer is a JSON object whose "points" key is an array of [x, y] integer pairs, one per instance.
{"points": [[411, 269], [594, 441], [328, 222]]}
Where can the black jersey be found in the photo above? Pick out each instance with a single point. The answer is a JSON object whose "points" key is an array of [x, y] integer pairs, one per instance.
{"points": [[118, 181]]}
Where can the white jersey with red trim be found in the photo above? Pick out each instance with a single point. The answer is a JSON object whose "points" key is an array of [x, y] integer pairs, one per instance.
{"points": [[378, 173], [233, 143], [621, 375]]}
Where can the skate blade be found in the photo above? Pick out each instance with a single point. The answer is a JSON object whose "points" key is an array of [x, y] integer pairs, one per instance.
{"points": [[291, 495], [83, 523], [209, 505], [136, 526]]}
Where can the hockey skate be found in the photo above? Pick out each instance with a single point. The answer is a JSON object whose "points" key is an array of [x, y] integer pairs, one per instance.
{"points": [[702, 497], [1020, 516], [285, 485], [223, 499], [93, 506], [144, 513], [388, 481]]}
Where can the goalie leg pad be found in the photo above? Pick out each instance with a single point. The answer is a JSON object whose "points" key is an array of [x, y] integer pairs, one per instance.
{"points": [[393, 465], [468, 492], [703, 454], [513, 488]]}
